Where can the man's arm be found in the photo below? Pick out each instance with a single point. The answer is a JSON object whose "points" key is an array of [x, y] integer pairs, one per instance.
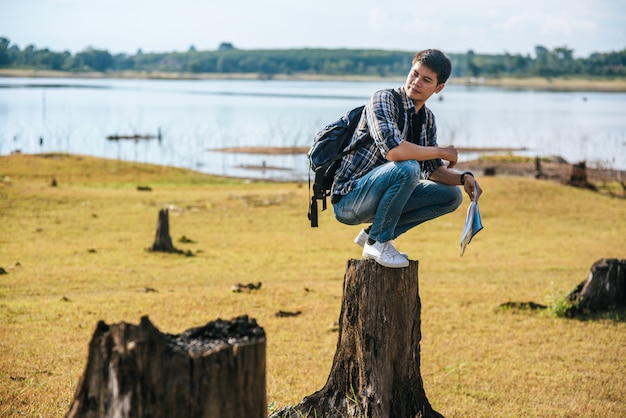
{"points": [[446, 176], [410, 151]]}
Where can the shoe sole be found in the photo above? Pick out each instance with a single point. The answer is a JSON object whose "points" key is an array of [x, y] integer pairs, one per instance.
{"points": [[361, 243], [389, 265]]}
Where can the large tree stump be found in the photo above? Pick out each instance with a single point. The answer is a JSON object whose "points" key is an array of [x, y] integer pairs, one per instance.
{"points": [[376, 369], [604, 289], [214, 371]]}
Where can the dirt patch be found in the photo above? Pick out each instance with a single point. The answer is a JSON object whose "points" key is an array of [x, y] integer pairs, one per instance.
{"points": [[264, 150]]}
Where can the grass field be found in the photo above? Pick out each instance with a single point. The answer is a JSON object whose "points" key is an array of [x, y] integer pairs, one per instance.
{"points": [[75, 254]]}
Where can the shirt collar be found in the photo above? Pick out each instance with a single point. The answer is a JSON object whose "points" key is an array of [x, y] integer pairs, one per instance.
{"points": [[408, 103]]}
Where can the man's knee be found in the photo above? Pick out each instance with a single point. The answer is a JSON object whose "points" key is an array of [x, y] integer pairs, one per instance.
{"points": [[457, 197], [409, 168]]}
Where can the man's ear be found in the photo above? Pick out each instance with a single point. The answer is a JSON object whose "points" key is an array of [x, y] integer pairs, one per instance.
{"points": [[440, 87]]}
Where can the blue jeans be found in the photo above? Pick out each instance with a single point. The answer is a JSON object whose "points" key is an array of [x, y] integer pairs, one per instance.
{"points": [[394, 199]]}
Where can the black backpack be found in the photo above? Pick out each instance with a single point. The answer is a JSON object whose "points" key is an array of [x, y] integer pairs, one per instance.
{"points": [[329, 147]]}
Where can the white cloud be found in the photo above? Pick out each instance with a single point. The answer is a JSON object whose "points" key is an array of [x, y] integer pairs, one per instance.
{"points": [[513, 22], [567, 26], [399, 25]]}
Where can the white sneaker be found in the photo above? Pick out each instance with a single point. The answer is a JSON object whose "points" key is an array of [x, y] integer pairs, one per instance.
{"points": [[361, 240], [385, 254]]}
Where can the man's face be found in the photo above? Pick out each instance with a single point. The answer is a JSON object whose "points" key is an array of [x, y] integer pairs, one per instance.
{"points": [[421, 83]]}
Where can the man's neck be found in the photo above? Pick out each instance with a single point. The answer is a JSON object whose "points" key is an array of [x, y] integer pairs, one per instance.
{"points": [[418, 105]]}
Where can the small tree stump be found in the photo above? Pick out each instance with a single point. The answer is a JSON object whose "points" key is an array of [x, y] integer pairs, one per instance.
{"points": [[376, 369], [579, 175], [578, 178], [214, 371], [162, 239], [604, 289], [538, 170]]}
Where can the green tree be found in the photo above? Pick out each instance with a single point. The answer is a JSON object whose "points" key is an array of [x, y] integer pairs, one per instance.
{"points": [[472, 67], [612, 64], [226, 46], [542, 65], [27, 56], [4, 52], [94, 59]]}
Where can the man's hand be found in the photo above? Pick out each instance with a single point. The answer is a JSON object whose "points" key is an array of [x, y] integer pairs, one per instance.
{"points": [[471, 187], [450, 154]]}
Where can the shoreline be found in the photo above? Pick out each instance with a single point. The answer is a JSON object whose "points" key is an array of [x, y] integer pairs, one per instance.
{"points": [[304, 150], [549, 168], [522, 83]]}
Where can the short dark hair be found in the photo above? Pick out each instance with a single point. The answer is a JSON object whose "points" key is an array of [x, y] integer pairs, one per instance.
{"points": [[436, 61]]}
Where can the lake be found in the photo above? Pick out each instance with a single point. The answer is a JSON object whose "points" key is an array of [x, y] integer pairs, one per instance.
{"points": [[188, 120]]}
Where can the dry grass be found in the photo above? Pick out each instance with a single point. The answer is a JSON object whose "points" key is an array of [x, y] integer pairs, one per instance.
{"points": [[75, 254], [617, 84]]}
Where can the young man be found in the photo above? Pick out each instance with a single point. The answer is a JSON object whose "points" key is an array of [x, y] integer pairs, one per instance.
{"points": [[381, 183]]}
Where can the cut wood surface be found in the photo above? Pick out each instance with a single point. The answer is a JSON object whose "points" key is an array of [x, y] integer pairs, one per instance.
{"points": [[214, 371]]}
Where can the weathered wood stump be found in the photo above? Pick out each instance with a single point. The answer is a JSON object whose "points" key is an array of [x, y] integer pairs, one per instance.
{"points": [[376, 368], [604, 289], [214, 371], [162, 239], [538, 170], [578, 178]]}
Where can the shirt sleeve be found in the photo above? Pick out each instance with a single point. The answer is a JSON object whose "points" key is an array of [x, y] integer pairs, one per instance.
{"points": [[382, 115]]}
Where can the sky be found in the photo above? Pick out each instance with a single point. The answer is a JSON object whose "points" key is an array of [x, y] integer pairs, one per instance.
{"points": [[454, 26]]}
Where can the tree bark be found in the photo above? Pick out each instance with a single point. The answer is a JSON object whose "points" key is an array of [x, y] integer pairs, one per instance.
{"points": [[162, 239], [214, 371], [578, 178], [604, 289], [376, 368]]}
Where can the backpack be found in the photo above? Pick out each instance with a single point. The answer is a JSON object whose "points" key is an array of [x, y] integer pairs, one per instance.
{"points": [[329, 147]]}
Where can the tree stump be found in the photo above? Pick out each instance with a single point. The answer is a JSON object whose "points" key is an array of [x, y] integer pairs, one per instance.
{"points": [[604, 289], [538, 170], [214, 371], [578, 178], [376, 368], [162, 239]]}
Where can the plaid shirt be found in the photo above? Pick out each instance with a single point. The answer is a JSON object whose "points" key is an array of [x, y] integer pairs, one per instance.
{"points": [[380, 120]]}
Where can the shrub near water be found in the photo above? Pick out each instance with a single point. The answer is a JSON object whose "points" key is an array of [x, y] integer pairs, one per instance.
{"points": [[75, 254]]}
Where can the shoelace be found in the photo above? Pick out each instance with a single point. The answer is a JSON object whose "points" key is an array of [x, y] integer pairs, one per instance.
{"points": [[389, 249]]}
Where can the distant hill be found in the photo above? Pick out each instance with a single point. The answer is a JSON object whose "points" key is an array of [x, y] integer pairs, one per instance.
{"points": [[559, 62]]}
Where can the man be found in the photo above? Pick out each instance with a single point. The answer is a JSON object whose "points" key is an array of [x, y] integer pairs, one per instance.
{"points": [[381, 183]]}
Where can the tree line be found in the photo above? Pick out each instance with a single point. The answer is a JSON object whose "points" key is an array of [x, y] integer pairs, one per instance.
{"points": [[558, 62]]}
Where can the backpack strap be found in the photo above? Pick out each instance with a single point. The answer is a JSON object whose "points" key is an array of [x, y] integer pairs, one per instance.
{"points": [[368, 138], [313, 208], [398, 99]]}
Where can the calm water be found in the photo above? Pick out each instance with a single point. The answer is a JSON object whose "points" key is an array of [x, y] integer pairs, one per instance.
{"points": [[196, 117]]}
